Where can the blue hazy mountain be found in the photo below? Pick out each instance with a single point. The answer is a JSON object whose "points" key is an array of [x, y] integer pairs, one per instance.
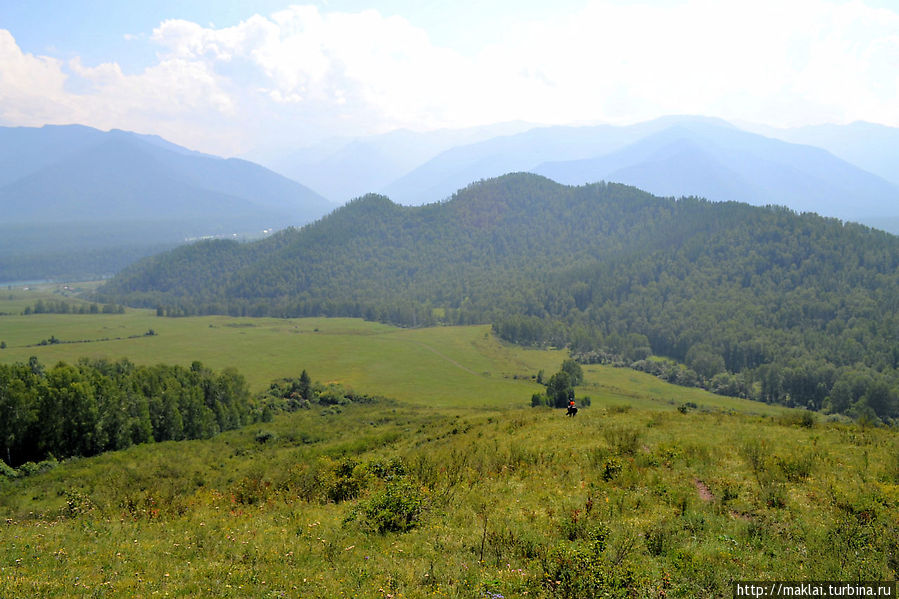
{"points": [[874, 148], [77, 202], [342, 169], [457, 167], [670, 156], [723, 163], [75, 173]]}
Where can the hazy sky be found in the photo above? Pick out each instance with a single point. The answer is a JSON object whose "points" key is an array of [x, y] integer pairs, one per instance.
{"points": [[229, 77]]}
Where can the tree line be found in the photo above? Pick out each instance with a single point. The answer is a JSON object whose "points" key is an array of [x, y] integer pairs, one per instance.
{"points": [[98, 405], [50, 306]]}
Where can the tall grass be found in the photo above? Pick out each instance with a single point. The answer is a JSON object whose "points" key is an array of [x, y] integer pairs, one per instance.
{"points": [[441, 503]]}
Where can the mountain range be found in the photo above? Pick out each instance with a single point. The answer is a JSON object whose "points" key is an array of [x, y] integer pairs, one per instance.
{"points": [[75, 173], [65, 190], [346, 168], [723, 163], [847, 171]]}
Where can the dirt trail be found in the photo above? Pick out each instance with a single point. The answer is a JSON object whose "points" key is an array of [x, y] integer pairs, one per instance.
{"points": [[704, 492]]}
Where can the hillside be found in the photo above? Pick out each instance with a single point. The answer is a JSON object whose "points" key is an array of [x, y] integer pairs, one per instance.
{"points": [[388, 499], [758, 302]]}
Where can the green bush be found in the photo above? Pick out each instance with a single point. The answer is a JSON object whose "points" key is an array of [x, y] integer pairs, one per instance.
{"points": [[266, 437], [660, 538], [29, 468], [6, 471], [578, 526], [252, 490], [579, 570], [756, 454], [348, 481], [539, 400], [390, 469], [397, 508], [803, 418], [611, 469], [77, 503]]}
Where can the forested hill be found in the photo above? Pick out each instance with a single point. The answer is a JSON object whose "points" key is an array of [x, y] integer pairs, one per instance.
{"points": [[760, 302]]}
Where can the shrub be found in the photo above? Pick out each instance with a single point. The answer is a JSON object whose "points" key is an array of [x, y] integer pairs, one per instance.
{"points": [[611, 469], [77, 503], [326, 480], [348, 481], [6, 471], [578, 526], [892, 466], [659, 538], [251, 490], [686, 407], [579, 570], [539, 399], [772, 484], [390, 469], [266, 436], [772, 489], [803, 418], [397, 508], [756, 453], [29, 468]]}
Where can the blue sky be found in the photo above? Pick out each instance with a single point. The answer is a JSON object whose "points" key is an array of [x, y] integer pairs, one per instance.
{"points": [[233, 77]]}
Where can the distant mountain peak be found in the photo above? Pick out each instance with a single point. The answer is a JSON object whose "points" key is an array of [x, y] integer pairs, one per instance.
{"points": [[77, 173]]}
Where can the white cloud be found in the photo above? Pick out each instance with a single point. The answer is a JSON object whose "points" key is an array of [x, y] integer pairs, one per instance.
{"points": [[29, 84], [767, 60], [176, 98], [302, 73]]}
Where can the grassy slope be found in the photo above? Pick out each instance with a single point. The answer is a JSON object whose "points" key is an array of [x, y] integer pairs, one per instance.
{"points": [[509, 496]]}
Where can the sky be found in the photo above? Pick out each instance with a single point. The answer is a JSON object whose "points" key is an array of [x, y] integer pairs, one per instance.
{"points": [[239, 77]]}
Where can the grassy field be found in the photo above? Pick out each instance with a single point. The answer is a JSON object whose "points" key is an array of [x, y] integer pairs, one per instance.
{"points": [[452, 488], [440, 367]]}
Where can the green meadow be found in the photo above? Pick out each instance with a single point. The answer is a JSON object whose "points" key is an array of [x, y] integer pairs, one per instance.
{"points": [[439, 367], [451, 487]]}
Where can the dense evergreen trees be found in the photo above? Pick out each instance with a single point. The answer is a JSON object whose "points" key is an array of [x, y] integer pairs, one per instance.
{"points": [[97, 405], [758, 302]]}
